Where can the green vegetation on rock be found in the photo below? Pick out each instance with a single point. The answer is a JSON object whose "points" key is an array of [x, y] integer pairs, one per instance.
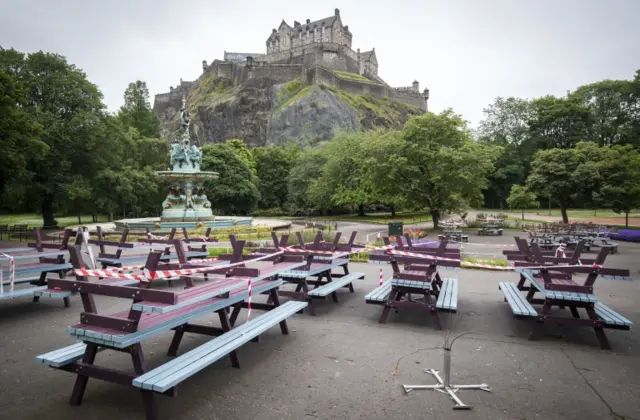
{"points": [[352, 76], [382, 112], [299, 95], [209, 91]]}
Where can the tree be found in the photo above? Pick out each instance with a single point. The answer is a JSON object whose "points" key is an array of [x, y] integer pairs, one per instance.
{"points": [[562, 174], [620, 168], [19, 133], [508, 170], [235, 192], [306, 172], [506, 121], [68, 107], [612, 108], [521, 198], [273, 164], [445, 169], [136, 111], [384, 168], [344, 175], [243, 152], [559, 122]]}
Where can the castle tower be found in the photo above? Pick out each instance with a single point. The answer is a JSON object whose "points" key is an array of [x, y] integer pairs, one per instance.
{"points": [[205, 66], [416, 86]]}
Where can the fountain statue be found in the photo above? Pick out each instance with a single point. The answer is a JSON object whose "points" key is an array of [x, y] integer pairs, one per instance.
{"points": [[186, 201], [186, 205]]}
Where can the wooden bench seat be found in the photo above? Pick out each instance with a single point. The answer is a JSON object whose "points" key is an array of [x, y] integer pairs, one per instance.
{"points": [[21, 292], [20, 280], [380, 294], [556, 295], [170, 374], [335, 284], [315, 269], [448, 297], [63, 356], [152, 323], [518, 303], [416, 284], [36, 268], [611, 318]]}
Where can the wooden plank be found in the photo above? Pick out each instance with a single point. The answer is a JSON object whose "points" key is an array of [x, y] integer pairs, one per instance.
{"points": [[454, 296], [518, 304], [335, 284], [609, 316], [380, 293], [119, 340], [173, 372]]}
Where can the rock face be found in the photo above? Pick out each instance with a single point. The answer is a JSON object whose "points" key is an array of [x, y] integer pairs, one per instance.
{"points": [[262, 112]]}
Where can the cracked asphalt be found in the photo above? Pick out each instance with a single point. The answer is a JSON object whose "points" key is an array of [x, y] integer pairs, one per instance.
{"points": [[343, 364]]}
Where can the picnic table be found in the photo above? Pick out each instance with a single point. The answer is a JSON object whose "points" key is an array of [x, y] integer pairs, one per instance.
{"points": [[117, 259], [32, 264], [154, 312], [454, 235], [558, 287], [321, 258], [490, 229], [419, 286]]}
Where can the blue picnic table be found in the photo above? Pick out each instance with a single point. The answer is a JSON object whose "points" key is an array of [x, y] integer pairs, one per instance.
{"points": [[154, 312], [557, 287]]}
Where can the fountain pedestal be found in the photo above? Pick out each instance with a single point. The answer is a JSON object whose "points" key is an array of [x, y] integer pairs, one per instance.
{"points": [[186, 201]]}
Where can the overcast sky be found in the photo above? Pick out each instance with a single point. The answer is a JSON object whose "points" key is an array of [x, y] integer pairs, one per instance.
{"points": [[466, 52]]}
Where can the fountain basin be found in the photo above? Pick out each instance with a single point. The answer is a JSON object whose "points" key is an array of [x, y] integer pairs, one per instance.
{"points": [[156, 224]]}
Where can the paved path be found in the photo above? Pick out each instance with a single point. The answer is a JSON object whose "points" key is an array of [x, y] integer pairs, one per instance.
{"points": [[342, 364]]}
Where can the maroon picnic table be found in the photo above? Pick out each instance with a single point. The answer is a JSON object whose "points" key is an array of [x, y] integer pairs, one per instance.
{"points": [[418, 286], [316, 279], [155, 311], [560, 288]]}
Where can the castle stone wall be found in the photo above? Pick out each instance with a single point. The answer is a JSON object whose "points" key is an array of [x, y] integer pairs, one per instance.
{"points": [[408, 97], [279, 72]]}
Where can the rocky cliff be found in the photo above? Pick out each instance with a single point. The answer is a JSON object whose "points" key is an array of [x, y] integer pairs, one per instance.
{"points": [[262, 112]]}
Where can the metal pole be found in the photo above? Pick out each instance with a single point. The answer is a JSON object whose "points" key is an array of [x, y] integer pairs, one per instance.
{"points": [[446, 367]]}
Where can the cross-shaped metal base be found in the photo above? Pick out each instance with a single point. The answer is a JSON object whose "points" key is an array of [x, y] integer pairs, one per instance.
{"points": [[445, 387]]}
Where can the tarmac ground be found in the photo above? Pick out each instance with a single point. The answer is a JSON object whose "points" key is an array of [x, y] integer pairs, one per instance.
{"points": [[343, 364]]}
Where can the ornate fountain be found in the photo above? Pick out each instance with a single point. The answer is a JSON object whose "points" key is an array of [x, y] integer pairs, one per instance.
{"points": [[186, 205], [186, 201]]}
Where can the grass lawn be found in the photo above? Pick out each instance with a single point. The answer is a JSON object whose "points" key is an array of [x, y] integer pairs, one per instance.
{"points": [[35, 220]]}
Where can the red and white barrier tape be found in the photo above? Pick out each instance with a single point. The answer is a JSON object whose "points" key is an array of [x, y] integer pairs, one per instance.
{"points": [[148, 275], [493, 267], [380, 284], [12, 274], [249, 300]]}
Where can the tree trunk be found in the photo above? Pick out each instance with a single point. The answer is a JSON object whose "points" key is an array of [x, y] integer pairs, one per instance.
{"points": [[393, 211], [47, 211], [523, 215], [435, 216], [79, 219], [565, 217], [361, 210], [595, 212], [626, 219]]}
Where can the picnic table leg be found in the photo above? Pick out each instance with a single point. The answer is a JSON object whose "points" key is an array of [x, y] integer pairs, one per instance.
{"points": [[81, 381], [175, 341], [574, 311], [602, 337], [148, 398], [226, 327], [387, 307], [236, 312], [538, 328], [276, 302]]}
